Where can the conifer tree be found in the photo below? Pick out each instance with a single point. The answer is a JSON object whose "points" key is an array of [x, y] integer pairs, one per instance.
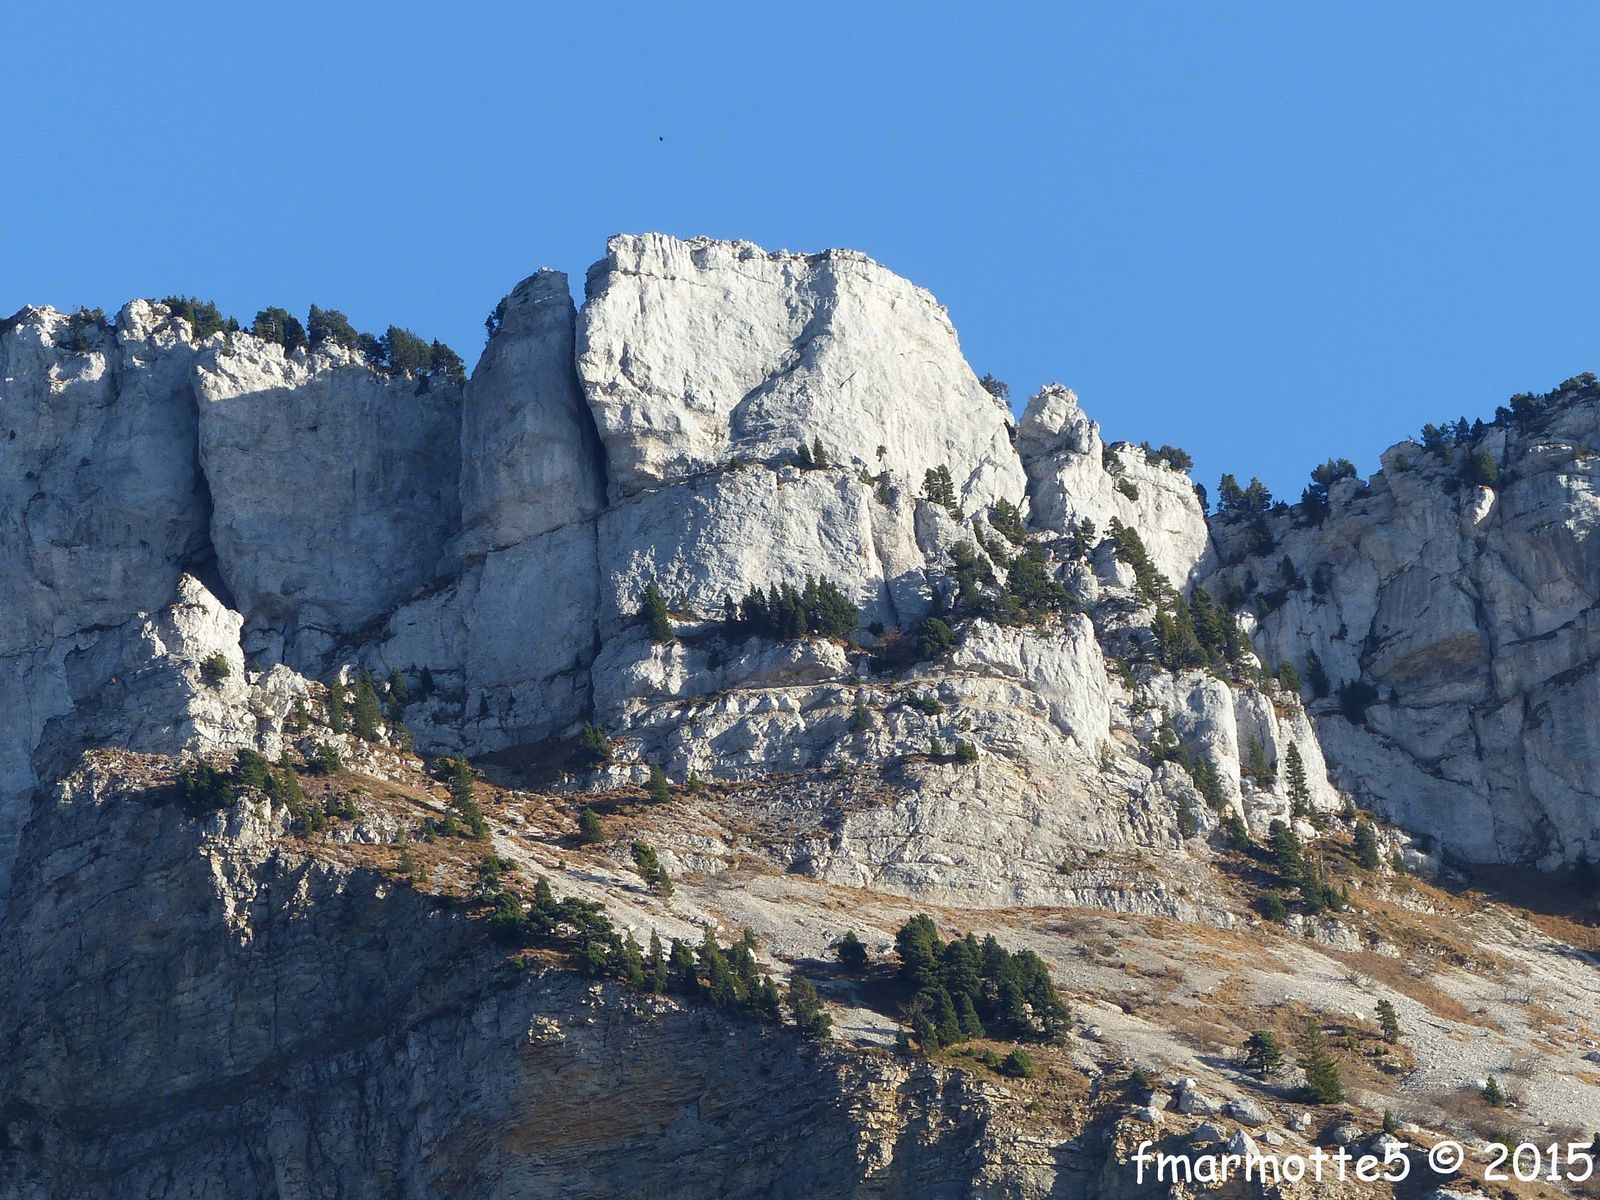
{"points": [[1294, 771], [366, 715], [278, 326], [1388, 1021], [1316, 676], [810, 1017], [650, 869], [1367, 857], [1322, 1072], [682, 973], [463, 800], [336, 705], [1262, 1052], [851, 951], [595, 745], [1494, 1093], [659, 787], [590, 831], [332, 326], [656, 968], [1257, 760], [1286, 851], [654, 610]]}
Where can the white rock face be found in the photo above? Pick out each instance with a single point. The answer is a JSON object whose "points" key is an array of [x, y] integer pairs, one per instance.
{"points": [[504, 540], [1068, 480], [704, 540], [334, 488], [1470, 613], [515, 635], [530, 458], [695, 353], [100, 506]]}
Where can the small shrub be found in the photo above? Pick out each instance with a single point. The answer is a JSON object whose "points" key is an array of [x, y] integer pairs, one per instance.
{"points": [[654, 611], [214, 668], [1018, 1065], [1355, 698]]}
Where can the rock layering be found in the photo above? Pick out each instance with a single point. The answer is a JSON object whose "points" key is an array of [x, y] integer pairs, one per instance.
{"points": [[1469, 612], [196, 531]]}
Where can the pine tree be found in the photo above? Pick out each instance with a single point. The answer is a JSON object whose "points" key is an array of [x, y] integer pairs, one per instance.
{"points": [[590, 831], [1257, 756], [650, 869], [631, 962], [656, 968], [939, 487], [463, 800], [595, 745], [1316, 676], [659, 787], [682, 974], [810, 1017], [1494, 1093], [1388, 1021], [655, 614], [1286, 851], [367, 716], [1367, 857], [851, 951], [1294, 771], [1322, 1072], [331, 326], [967, 1012], [721, 986], [448, 363], [1262, 1052], [336, 705]]}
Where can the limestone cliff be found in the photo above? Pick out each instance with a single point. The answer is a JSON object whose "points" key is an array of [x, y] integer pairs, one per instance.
{"points": [[1042, 705], [1467, 610]]}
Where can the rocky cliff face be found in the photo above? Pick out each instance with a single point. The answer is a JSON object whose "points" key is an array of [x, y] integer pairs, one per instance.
{"points": [[1467, 611], [201, 533]]}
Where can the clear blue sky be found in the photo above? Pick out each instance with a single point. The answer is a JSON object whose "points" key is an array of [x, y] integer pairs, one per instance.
{"points": [[1269, 233]]}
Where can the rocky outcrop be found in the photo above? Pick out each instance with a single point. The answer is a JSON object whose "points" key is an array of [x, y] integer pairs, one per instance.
{"points": [[101, 509], [1467, 614], [1074, 476], [695, 353], [333, 488], [530, 458]]}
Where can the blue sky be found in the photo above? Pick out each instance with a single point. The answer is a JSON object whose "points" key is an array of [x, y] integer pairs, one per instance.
{"points": [[1269, 233]]}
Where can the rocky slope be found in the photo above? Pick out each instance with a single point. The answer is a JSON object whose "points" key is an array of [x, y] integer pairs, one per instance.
{"points": [[1022, 721]]}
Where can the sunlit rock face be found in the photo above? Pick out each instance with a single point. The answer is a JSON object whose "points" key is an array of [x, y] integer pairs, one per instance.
{"points": [[695, 353], [1468, 611]]}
